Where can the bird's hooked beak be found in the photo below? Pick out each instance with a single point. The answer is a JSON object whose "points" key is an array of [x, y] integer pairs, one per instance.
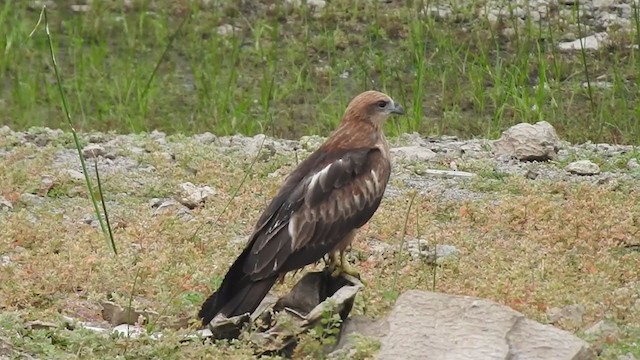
{"points": [[397, 109]]}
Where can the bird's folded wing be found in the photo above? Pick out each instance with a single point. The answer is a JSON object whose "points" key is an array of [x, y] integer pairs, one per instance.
{"points": [[320, 203]]}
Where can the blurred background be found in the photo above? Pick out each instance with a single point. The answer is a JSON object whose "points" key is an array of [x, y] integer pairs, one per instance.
{"points": [[287, 68]]}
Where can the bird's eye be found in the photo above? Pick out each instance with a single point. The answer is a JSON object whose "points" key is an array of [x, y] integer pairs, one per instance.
{"points": [[382, 104]]}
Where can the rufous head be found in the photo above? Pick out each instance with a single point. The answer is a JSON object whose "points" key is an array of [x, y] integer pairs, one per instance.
{"points": [[372, 106]]}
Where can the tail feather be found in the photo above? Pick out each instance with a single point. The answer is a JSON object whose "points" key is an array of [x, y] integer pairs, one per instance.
{"points": [[238, 294]]}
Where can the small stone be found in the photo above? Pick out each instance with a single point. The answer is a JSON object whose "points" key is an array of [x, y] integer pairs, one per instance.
{"points": [[413, 153], [75, 174], [46, 184], [93, 151], [167, 156], [5, 204], [411, 139], [38, 4], [417, 248], [91, 221], [509, 32], [379, 248], [311, 142], [632, 164], [315, 4], [129, 331], [440, 12], [164, 206], [5, 260], [529, 142], [205, 138], [603, 328], [318, 4], [445, 253], [31, 199], [118, 315], [226, 29], [157, 135], [96, 138], [80, 8], [627, 356], [192, 196], [445, 173], [532, 174], [593, 42], [40, 325], [598, 84], [583, 167], [599, 4], [135, 150], [572, 313]]}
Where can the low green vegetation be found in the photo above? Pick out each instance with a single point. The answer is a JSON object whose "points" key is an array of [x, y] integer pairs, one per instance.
{"points": [[288, 69]]}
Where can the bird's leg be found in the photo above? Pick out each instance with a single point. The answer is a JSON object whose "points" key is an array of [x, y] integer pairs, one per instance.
{"points": [[343, 266], [333, 262]]}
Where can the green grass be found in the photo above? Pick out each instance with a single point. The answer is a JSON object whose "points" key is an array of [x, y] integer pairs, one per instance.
{"points": [[290, 70]]}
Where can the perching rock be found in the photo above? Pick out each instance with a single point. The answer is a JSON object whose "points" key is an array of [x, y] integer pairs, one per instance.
{"points": [[583, 167], [426, 325], [413, 153], [527, 142], [304, 307]]}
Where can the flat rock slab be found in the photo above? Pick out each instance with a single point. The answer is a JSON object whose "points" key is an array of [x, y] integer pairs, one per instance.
{"points": [[426, 325]]}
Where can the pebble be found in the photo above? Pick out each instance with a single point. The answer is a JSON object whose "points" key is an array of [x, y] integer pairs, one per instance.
{"points": [[583, 167], [572, 313], [5, 204], [603, 328], [413, 153], [93, 151], [591, 42], [192, 196]]}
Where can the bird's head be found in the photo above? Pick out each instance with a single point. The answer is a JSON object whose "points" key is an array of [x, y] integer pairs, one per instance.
{"points": [[372, 106]]}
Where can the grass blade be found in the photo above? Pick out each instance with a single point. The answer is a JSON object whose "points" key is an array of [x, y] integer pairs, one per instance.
{"points": [[106, 230]]}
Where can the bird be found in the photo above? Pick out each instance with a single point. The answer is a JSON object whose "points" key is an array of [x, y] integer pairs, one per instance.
{"points": [[317, 210]]}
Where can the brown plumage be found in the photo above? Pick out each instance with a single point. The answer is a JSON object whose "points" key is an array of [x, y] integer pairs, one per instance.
{"points": [[322, 202]]}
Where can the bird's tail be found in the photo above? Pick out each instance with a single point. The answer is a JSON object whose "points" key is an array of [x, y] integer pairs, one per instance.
{"points": [[238, 294]]}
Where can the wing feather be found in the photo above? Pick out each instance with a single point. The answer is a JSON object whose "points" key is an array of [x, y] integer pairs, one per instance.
{"points": [[330, 196]]}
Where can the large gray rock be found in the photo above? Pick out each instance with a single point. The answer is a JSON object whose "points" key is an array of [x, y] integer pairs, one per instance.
{"points": [[527, 142], [426, 325]]}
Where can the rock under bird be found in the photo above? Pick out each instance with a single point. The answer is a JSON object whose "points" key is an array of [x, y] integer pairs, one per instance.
{"points": [[317, 211]]}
